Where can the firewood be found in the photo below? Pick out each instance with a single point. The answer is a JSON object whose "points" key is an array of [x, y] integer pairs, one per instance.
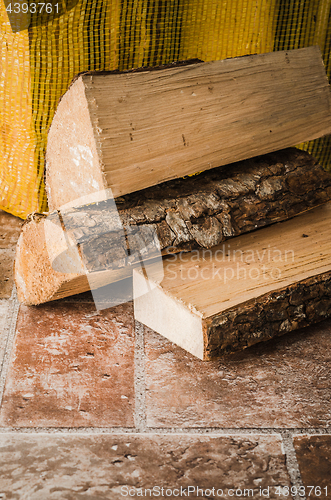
{"points": [[88, 245], [250, 289], [129, 131]]}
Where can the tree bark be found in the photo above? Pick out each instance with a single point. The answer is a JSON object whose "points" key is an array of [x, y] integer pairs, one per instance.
{"points": [[203, 210], [108, 238], [276, 313], [254, 287]]}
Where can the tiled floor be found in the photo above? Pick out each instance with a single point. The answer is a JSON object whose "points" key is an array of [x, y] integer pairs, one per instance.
{"points": [[95, 406], [9, 232]]}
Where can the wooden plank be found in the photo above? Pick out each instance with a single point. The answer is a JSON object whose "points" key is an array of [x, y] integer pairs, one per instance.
{"points": [[182, 214], [133, 130], [252, 288]]}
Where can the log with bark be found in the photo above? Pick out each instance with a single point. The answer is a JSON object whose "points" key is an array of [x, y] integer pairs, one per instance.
{"points": [[250, 289], [133, 130], [73, 250]]}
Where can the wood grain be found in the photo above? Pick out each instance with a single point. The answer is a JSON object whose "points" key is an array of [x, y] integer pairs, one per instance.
{"points": [[133, 130], [88, 245], [256, 286]]}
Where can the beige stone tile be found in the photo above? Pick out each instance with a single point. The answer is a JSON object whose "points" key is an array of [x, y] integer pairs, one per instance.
{"points": [[5, 307], [7, 258], [285, 382], [74, 467], [314, 459], [71, 367], [10, 228], [4, 311]]}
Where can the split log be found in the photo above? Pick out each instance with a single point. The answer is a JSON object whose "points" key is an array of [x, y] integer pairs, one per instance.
{"points": [[255, 287], [88, 246], [133, 130]]}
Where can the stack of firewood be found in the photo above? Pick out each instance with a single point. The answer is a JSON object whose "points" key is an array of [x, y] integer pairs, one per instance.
{"points": [[245, 246]]}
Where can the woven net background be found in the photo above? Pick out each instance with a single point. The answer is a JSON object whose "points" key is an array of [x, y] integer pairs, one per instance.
{"points": [[41, 53]]}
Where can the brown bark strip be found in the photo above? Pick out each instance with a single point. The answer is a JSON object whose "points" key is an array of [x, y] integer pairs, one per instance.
{"points": [[184, 214], [203, 210], [272, 315], [253, 288]]}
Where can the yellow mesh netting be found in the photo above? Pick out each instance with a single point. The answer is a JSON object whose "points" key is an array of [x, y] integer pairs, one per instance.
{"points": [[39, 59]]}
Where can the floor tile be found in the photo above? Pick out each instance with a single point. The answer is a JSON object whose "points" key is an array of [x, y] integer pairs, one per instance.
{"points": [[5, 307], [110, 467], [71, 367], [4, 311], [7, 258], [314, 458], [10, 228], [285, 382]]}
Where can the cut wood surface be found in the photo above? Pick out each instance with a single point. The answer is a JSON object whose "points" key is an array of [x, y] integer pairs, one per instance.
{"points": [[133, 130], [74, 249], [252, 288]]}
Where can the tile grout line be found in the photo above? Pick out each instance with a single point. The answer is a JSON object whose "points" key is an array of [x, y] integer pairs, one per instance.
{"points": [[9, 341], [205, 431], [292, 463], [139, 378], [5, 331]]}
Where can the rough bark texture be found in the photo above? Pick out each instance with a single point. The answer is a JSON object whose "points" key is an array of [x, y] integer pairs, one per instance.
{"points": [[271, 315], [199, 211]]}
